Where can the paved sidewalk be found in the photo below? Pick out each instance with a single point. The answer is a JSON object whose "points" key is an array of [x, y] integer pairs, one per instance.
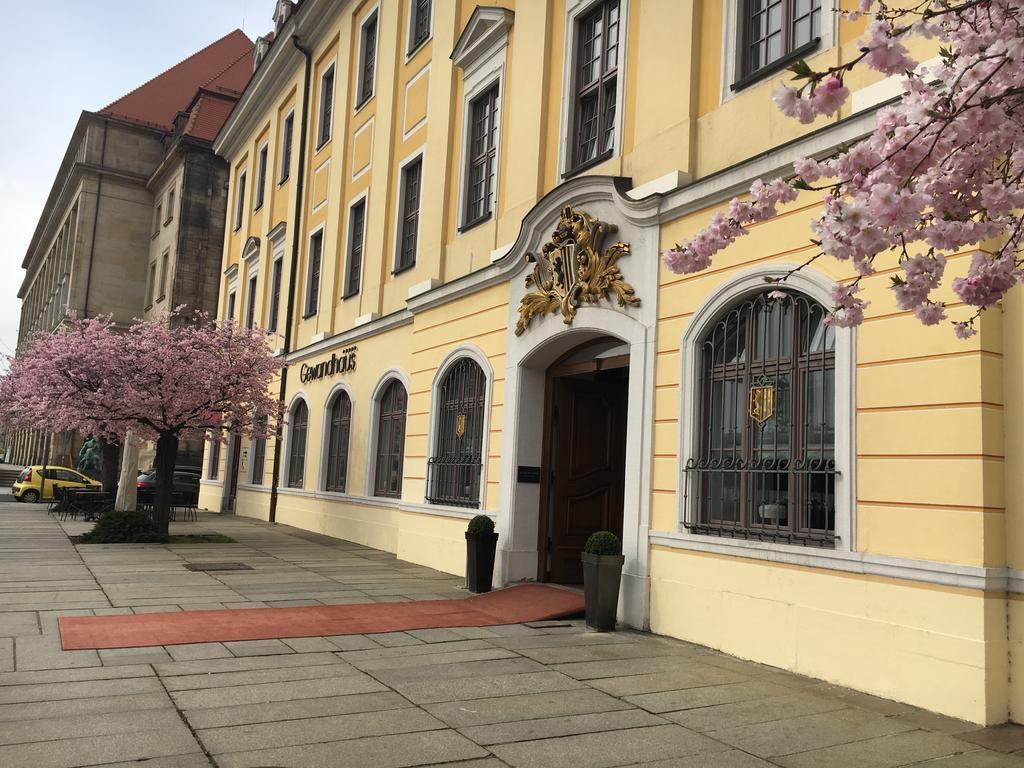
{"points": [[546, 695]]}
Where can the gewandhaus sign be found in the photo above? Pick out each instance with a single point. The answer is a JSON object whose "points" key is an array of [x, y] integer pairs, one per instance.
{"points": [[339, 363]]}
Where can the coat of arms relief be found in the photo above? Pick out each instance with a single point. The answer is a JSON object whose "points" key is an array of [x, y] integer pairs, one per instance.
{"points": [[571, 270]]}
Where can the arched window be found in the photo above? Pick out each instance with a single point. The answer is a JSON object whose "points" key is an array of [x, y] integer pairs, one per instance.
{"points": [[453, 472], [297, 444], [340, 426], [387, 477], [764, 466]]}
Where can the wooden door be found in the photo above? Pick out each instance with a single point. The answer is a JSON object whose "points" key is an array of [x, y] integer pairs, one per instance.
{"points": [[589, 466]]}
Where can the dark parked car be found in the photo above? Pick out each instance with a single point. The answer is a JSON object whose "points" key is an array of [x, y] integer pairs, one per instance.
{"points": [[185, 481]]}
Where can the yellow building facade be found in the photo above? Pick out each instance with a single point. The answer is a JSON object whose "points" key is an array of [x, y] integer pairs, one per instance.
{"points": [[842, 503]]}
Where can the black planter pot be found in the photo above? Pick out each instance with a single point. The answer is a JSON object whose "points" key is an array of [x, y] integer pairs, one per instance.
{"points": [[601, 576], [480, 548]]}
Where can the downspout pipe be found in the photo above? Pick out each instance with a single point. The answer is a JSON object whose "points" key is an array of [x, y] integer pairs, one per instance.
{"points": [[289, 317]]}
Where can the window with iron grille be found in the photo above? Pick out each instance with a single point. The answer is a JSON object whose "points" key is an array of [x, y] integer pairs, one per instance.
{"points": [[419, 24], [410, 215], [275, 295], [250, 303], [326, 107], [337, 443], [482, 156], [261, 177], [453, 472], [367, 59], [595, 85], [765, 464], [387, 476], [772, 32], [356, 229], [286, 147], [297, 445], [214, 470], [258, 455], [316, 247]]}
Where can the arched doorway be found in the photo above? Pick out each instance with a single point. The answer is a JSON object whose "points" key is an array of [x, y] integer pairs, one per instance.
{"points": [[583, 465]]}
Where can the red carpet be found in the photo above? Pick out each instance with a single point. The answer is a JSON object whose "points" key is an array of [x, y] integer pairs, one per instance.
{"points": [[514, 605]]}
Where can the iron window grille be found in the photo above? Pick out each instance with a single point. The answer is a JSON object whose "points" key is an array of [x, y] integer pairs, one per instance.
{"points": [[316, 245], [259, 455], [356, 224], [275, 295], [286, 147], [410, 215], [337, 443], [261, 177], [453, 472], [596, 85], [326, 107], [772, 33], [483, 154], [419, 25], [387, 477], [765, 465], [368, 59], [297, 445]]}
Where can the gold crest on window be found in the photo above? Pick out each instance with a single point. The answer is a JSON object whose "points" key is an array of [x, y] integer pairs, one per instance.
{"points": [[460, 425], [761, 400]]}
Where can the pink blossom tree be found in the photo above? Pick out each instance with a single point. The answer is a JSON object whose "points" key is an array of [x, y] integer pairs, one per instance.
{"points": [[941, 172], [163, 379]]}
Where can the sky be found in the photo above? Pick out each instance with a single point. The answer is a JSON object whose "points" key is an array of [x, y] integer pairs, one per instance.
{"points": [[64, 56]]}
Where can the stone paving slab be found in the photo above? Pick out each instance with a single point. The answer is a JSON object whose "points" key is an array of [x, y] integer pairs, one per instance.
{"points": [[503, 709], [562, 725], [284, 711]]}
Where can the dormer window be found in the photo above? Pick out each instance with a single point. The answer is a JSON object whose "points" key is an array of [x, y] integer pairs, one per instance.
{"points": [[282, 13]]}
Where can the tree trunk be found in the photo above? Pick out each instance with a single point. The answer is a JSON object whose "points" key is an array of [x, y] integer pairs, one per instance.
{"points": [[109, 466], [166, 457], [128, 487]]}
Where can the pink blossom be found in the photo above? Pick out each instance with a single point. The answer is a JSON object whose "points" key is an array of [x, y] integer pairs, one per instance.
{"points": [[930, 313], [886, 54], [963, 330], [849, 310], [829, 96], [777, 295]]}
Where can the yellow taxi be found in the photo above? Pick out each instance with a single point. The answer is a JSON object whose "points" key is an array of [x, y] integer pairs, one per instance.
{"points": [[38, 482]]}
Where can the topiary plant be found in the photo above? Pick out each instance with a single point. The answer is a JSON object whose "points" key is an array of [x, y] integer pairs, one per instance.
{"points": [[480, 524], [603, 543], [123, 528]]}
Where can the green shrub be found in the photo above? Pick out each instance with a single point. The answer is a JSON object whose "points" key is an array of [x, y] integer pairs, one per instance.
{"points": [[481, 524], [603, 543], [123, 528]]}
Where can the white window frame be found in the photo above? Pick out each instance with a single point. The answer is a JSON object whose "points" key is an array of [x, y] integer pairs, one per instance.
{"points": [[365, 197], [286, 156], [322, 142], [751, 282], [574, 9], [357, 102], [731, 38], [409, 20], [261, 178], [240, 180], [307, 292], [325, 436], [418, 154], [371, 457], [477, 355]]}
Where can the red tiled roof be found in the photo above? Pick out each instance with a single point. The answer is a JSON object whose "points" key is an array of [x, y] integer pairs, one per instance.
{"points": [[207, 115], [224, 65]]}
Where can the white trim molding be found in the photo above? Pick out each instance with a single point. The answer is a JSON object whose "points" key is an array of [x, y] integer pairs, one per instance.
{"points": [[748, 283], [420, 153]]}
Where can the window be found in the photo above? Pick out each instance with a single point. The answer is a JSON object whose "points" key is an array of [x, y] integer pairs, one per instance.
{"points": [[419, 23], [409, 221], [387, 477], [240, 201], [231, 306], [772, 32], [453, 472], [275, 295], [316, 246], [337, 443], [765, 464], [170, 206], [367, 59], [482, 156], [595, 86], [165, 263], [297, 444], [214, 470], [258, 454], [151, 286], [250, 303], [286, 147], [356, 228], [323, 134], [261, 177], [158, 218]]}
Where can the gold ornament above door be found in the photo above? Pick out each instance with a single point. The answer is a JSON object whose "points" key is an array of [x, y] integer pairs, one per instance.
{"points": [[570, 270]]}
